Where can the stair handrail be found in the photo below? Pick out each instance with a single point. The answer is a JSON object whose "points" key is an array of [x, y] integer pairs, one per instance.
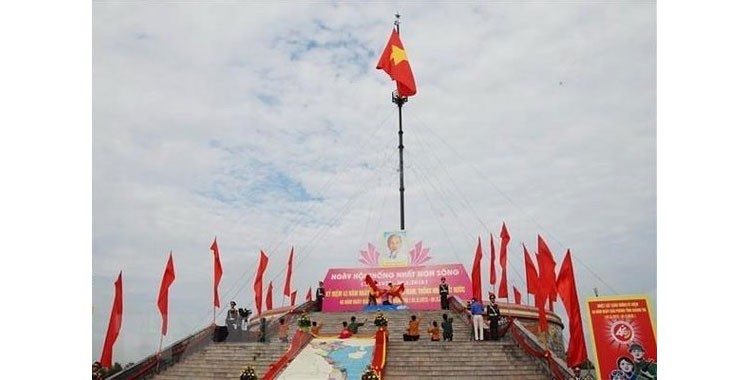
{"points": [[167, 357], [531, 344], [299, 342]]}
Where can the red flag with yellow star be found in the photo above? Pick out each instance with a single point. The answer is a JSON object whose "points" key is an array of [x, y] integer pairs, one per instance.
{"points": [[395, 62]]}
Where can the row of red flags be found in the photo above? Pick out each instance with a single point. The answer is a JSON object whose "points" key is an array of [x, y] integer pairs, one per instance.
{"points": [[543, 284], [162, 302]]}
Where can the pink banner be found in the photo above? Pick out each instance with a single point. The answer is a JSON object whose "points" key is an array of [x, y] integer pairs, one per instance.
{"points": [[346, 289]]}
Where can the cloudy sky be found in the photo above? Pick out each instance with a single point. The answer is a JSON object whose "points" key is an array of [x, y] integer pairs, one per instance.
{"points": [[268, 126]]}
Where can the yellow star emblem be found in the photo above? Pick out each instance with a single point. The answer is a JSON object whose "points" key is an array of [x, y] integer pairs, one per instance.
{"points": [[398, 54]]}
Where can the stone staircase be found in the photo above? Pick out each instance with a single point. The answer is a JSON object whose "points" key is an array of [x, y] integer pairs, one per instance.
{"points": [[225, 361], [462, 358]]}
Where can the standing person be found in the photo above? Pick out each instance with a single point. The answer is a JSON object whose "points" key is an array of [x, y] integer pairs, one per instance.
{"points": [[96, 371], [493, 313], [233, 317], [354, 325], [443, 290], [412, 331], [644, 368], [576, 374], [434, 332], [477, 319], [447, 326], [262, 330], [283, 331], [320, 293]]}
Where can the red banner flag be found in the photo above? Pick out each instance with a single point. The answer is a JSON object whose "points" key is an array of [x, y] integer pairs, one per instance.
{"points": [[293, 296], [113, 329], [308, 297], [517, 295], [395, 62], [259, 281], [546, 270], [287, 284], [566, 286], [504, 240], [493, 278], [269, 296], [532, 279], [476, 272], [547, 287], [218, 272], [163, 301]]}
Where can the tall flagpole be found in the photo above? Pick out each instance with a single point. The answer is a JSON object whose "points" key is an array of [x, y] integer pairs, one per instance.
{"points": [[400, 100]]}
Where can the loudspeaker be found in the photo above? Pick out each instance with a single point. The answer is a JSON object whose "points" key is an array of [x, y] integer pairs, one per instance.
{"points": [[220, 333]]}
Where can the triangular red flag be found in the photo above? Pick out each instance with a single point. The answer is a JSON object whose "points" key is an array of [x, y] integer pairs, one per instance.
{"points": [[163, 300], [493, 278], [546, 281], [113, 329], [308, 297], [258, 285], [476, 272], [504, 240], [546, 271], [269, 296], [287, 283], [517, 295], [218, 272], [566, 286], [532, 278], [293, 297], [395, 62]]}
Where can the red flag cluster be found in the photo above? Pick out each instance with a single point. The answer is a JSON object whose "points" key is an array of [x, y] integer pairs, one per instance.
{"points": [[542, 283]]}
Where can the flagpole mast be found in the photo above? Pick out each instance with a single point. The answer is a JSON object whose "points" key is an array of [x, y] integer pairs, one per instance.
{"points": [[399, 100]]}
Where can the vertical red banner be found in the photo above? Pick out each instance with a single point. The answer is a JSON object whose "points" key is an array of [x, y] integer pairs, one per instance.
{"points": [[624, 336]]}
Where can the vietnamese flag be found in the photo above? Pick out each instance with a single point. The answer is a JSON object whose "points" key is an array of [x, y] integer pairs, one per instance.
{"points": [[115, 321], [532, 278], [308, 297], [505, 239], [217, 273], [293, 296], [259, 281], [517, 295], [163, 301], [269, 296], [566, 287], [476, 272], [395, 62], [287, 284]]}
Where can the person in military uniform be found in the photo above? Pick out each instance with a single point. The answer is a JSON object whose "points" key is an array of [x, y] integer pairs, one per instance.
{"points": [[644, 369], [443, 290], [233, 317], [493, 313], [320, 293]]}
